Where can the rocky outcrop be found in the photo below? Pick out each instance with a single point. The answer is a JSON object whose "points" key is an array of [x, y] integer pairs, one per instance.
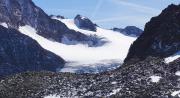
{"points": [[19, 53], [161, 37], [129, 31], [84, 23]]}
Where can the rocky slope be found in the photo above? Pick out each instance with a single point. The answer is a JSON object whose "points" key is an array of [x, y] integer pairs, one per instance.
{"points": [[129, 31], [161, 37], [19, 53], [24, 12], [151, 78]]}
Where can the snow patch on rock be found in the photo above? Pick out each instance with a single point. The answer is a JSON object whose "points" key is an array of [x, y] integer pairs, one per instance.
{"points": [[52, 96], [177, 73], [115, 91], [4, 25], [155, 79], [172, 58], [114, 82], [175, 93]]}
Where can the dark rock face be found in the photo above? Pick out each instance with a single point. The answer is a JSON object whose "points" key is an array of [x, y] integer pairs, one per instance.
{"points": [[161, 37], [19, 53], [129, 31], [84, 23], [24, 12]]}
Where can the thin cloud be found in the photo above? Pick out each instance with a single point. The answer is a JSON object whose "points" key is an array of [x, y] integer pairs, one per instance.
{"points": [[98, 6], [108, 19], [120, 18], [137, 7], [65, 10]]}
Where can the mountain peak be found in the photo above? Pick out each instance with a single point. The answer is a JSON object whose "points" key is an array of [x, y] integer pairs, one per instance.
{"points": [[84, 23], [80, 16]]}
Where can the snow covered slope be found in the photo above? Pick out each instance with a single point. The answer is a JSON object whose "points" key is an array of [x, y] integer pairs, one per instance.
{"points": [[118, 45], [81, 56]]}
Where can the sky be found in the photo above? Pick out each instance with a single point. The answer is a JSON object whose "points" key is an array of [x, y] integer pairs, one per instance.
{"points": [[108, 13]]}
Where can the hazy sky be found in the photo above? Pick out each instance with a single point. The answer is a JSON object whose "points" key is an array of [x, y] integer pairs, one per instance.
{"points": [[108, 13]]}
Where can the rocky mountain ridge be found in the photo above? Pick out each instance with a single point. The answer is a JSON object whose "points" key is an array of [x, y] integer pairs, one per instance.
{"points": [[24, 12], [161, 36]]}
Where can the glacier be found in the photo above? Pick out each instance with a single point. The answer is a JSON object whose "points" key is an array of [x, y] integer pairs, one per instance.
{"points": [[80, 57]]}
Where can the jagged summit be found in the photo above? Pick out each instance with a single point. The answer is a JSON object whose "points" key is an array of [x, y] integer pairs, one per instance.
{"points": [[161, 37], [84, 23]]}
